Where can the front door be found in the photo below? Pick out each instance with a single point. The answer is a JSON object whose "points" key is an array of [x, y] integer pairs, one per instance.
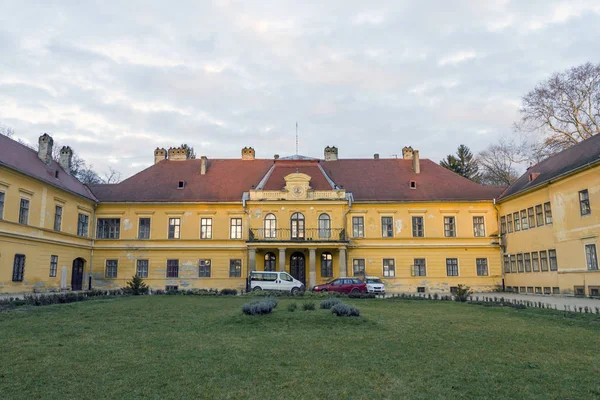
{"points": [[77, 274], [298, 267]]}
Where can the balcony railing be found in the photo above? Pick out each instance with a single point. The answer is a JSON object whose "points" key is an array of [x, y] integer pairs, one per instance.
{"points": [[289, 235]]}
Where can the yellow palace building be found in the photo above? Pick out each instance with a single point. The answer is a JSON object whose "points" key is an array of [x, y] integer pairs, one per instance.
{"points": [[205, 223]]}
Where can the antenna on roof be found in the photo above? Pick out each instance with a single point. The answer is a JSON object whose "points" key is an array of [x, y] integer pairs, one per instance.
{"points": [[296, 137], [394, 155]]}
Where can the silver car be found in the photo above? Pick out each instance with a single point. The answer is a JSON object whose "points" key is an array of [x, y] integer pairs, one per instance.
{"points": [[374, 284]]}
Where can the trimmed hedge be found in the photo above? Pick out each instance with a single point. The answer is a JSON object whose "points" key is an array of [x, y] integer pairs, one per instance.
{"points": [[265, 306], [328, 303], [344, 310]]}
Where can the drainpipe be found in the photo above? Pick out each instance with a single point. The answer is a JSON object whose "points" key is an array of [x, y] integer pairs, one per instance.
{"points": [[93, 244], [500, 237]]}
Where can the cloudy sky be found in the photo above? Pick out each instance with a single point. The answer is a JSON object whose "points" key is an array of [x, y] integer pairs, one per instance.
{"points": [[116, 79]]}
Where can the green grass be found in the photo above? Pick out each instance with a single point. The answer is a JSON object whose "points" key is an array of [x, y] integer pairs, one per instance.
{"points": [[198, 347]]}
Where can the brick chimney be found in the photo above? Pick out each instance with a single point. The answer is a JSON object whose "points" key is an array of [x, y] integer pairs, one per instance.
{"points": [[203, 165], [376, 156], [178, 154], [416, 162], [159, 155], [407, 152], [331, 153], [45, 143], [66, 155], [248, 153]]}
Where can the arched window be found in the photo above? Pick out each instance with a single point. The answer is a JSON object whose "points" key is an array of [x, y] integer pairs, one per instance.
{"points": [[324, 226], [269, 262], [297, 224], [270, 226], [326, 265]]}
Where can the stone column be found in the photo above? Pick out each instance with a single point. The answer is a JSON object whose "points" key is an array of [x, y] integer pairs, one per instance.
{"points": [[251, 260], [343, 266], [312, 272], [282, 260]]}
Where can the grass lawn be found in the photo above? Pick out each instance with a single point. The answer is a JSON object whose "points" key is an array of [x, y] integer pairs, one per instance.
{"points": [[199, 347]]}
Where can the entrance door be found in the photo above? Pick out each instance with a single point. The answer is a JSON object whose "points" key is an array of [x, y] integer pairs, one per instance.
{"points": [[77, 274], [298, 267]]}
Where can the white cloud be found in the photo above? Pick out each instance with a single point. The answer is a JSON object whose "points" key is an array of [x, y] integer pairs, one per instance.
{"points": [[458, 57]]}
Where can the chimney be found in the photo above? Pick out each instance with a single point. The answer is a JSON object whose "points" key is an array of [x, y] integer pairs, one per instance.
{"points": [[203, 164], [66, 154], [276, 157], [376, 156], [416, 163], [159, 155], [331, 153], [247, 153], [178, 154], [45, 143], [407, 152]]}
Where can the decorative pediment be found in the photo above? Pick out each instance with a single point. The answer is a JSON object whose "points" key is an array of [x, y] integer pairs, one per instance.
{"points": [[297, 187]]}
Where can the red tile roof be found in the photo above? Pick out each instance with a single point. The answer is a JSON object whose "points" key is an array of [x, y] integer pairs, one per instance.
{"points": [[389, 180], [21, 158], [284, 168], [225, 180]]}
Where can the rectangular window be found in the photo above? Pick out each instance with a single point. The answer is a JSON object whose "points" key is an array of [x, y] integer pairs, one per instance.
{"points": [[449, 227], [538, 290], [417, 227], [236, 228], [108, 228], [547, 290], [144, 228], [503, 225], [517, 222], [141, 268], [544, 260], [420, 267], [358, 266], [527, 259], [513, 263], [58, 210], [358, 227], [591, 257], [539, 215], [478, 227], [387, 227], [235, 268], [553, 261], [2, 205], [555, 290], [53, 265], [506, 264], [584, 202], [520, 266], [389, 268], [172, 268], [18, 268], [452, 266], [206, 228], [482, 266], [111, 268], [548, 213], [82, 225], [535, 262], [524, 224], [24, 212], [531, 217], [204, 269], [509, 223], [174, 228]]}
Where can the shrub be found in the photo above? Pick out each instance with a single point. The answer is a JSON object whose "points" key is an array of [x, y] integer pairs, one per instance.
{"points": [[362, 296], [308, 306], [228, 292], [258, 307], [292, 307], [328, 303], [136, 286], [272, 301], [462, 293], [344, 310]]}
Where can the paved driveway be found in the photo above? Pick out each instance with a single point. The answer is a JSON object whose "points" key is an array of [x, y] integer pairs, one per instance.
{"points": [[559, 301]]}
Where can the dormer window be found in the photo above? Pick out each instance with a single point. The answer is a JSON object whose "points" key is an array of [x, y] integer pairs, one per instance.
{"points": [[180, 184], [56, 174], [533, 175], [413, 184]]}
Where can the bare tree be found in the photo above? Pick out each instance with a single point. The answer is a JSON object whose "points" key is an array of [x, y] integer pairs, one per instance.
{"points": [[6, 131], [565, 109], [190, 151], [111, 176], [498, 162]]}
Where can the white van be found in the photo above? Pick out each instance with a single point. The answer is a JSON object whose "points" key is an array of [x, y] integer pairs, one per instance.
{"points": [[271, 280]]}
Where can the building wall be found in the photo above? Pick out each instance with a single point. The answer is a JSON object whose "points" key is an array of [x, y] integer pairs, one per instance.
{"points": [[568, 234], [38, 240]]}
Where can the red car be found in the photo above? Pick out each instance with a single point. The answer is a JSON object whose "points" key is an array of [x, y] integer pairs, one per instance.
{"points": [[343, 285]]}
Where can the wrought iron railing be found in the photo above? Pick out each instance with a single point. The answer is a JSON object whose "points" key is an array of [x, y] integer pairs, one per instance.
{"points": [[295, 235]]}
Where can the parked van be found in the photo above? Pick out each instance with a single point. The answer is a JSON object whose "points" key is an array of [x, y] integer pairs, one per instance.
{"points": [[271, 280]]}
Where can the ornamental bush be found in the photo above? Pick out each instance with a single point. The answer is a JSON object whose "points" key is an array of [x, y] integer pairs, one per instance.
{"points": [[228, 292], [462, 293], [328, 303], [136, 286], [259, 307], [344, 310], [308, 306], [292, 307]]}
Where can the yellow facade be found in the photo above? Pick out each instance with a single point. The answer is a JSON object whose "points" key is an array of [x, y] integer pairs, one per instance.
{"points": [[568, 234]]}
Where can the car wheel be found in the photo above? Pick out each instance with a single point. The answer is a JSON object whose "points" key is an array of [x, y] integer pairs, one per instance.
{"points": [[355, 290], [295, 291], [324, 290], [257, 289]]}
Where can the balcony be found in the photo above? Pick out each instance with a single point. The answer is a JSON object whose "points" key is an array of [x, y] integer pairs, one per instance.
{"points": [[306, 235]]}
